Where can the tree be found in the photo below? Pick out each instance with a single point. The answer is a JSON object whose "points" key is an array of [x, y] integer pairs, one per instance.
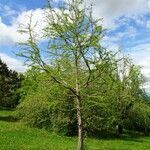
{"points": [[141, 116], [74, 53], [126, 91], [10, 81]]}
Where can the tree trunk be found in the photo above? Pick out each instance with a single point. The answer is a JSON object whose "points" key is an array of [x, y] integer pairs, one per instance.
{"points": [[145, 127], [146, 130], [80, 125], [119, 129], [78, 103]]}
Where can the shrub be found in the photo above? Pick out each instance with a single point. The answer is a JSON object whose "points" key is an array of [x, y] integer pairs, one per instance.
{"points": [[46, 105], [35, 112]]}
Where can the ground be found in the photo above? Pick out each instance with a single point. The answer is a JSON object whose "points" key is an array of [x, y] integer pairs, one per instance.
{"points": [[16, 136]]}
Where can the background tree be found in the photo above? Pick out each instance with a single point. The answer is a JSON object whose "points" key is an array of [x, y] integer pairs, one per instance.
{"points": [[10, 81], [141, 116], [127, 91]]}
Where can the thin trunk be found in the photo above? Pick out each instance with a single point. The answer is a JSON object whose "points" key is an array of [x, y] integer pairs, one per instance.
{"points": [[80, 125], [145, 128], [146, 131], [78, 104], [119, 130]]}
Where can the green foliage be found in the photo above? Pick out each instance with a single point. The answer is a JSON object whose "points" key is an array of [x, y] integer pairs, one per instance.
{"points": [[35, 112], [46, 105], [108, 102], [10, 81], [34, 109], [110, 99], [141, 116]]}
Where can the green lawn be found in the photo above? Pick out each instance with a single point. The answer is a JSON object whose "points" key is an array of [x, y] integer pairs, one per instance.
{"points": [[15, 136]]}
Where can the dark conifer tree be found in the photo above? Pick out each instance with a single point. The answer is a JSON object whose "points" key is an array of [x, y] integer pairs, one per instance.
{"points": [[10, 81]]}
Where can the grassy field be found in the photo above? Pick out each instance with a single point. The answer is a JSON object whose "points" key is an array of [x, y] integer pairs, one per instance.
{"points": [[16, 136]]}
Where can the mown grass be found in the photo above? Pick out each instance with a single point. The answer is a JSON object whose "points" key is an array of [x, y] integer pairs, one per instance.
{"points": [[16, 136]]}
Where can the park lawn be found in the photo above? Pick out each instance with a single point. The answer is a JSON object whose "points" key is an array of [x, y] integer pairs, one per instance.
{"points": [[16, 136]]}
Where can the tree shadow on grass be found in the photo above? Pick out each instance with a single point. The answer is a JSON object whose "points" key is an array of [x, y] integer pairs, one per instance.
{"points": [[132, 139], [8, 118], [4, 116], [127, 136]]}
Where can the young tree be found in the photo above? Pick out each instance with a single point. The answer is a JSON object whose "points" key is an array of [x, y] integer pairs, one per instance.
{"points": [[74, 52]]}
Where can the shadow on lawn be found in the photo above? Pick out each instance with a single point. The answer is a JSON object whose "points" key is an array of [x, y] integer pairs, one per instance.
{"points": [[8, 118], [131, 139], [127, 136]]}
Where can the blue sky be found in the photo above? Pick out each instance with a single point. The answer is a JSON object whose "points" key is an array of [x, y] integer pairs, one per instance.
{"points": [[127, 23]]}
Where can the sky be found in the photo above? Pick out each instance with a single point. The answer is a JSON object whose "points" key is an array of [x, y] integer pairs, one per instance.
{"points": [[127, 23]]}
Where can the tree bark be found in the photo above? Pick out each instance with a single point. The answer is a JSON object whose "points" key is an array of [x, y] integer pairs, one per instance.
{"points": [[79, 116], [78, 104], [80, 124]]}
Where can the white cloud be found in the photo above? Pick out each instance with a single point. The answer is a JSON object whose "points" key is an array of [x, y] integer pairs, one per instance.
{"points": [[146, 86], [13, 63], [140, 55], [129, 33], [111, 10], [9, 34], [37, 19]]}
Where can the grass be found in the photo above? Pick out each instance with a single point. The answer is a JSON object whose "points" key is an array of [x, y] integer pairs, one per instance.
{"points": [[16, 136]]}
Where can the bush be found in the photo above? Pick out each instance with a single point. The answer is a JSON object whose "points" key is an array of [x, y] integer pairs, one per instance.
{"points": [[39, 111], [46, 105], [35, 112]]}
